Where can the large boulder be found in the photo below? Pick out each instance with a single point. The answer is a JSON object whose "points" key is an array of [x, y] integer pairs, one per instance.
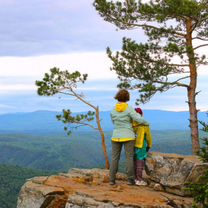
{"points": [[171, 172], [35, 194]]}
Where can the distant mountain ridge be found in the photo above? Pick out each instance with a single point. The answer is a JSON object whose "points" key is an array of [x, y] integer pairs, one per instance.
{"points": [[45, 121]]}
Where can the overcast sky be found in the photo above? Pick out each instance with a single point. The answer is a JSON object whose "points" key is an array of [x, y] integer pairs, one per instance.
{"points": [[36, 35], [39, 27]]}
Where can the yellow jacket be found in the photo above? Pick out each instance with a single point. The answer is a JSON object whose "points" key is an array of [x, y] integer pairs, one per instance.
{"points": [[141, 130]]}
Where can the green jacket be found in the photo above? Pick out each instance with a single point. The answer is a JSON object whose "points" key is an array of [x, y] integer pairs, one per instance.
{"points": [[122, 117]]}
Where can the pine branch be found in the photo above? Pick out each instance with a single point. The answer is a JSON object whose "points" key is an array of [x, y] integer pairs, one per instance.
{"points": [[145, 26], [167, 64], [85, 124], [151, 60], [177, 83], [153, 27], [182, 65]]}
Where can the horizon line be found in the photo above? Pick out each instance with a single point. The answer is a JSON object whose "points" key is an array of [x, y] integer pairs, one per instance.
{"points": [[35, 111]]}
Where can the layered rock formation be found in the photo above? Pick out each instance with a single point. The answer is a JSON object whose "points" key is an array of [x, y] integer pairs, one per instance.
{"points": [[170, 172], [90, 188]]}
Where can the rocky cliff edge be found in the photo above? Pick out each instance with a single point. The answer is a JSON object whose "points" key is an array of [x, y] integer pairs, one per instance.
{"points": [[166, 175]]}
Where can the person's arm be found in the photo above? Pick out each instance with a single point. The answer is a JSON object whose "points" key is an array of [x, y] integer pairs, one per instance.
{"points": [[137, 117], [149, 137], [111, 118], [135, 126]]}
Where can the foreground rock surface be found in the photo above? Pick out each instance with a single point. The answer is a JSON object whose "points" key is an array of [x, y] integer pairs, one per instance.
{"points": [[90, 188]]}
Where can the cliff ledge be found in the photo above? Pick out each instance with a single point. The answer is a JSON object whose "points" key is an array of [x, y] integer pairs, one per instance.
{"points": [[166, 176]]}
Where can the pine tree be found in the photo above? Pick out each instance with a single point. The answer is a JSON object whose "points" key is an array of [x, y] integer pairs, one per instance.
{"points": [[65, 83], [175, 29]]}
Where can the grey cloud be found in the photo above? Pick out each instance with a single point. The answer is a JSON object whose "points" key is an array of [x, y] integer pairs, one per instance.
{"points": [[33, 27]]}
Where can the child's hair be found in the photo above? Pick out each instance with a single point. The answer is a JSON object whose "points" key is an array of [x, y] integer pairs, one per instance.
{"points": [[139, 110]]}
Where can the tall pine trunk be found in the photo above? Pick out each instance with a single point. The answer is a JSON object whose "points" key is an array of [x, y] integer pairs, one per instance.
{"points": [[191, 90]]}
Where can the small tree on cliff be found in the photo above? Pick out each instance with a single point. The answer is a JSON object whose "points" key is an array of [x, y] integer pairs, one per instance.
{"points": [[64, 82], [171, 27]]}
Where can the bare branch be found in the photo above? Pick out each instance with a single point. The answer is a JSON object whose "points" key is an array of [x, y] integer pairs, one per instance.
{"points": [[65, 93], [199, 38], [200, 46], [74, 94], [194, 26], [197, 93], [80, 98], [182, 78]]}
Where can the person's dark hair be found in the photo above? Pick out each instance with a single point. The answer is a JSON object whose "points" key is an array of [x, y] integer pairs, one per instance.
{"points": [[122, 96]]}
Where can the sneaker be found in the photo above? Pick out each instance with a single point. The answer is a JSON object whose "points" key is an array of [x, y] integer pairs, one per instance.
{"points": [[136, 181], [131, 182], [141, 183]]}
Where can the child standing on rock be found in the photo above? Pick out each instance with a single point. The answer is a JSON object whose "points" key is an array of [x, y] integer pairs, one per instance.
{"points": [[143, 143]]}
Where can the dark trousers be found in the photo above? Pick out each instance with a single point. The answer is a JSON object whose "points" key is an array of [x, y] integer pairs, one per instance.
{"points": [[116, 152], [139, 167]]}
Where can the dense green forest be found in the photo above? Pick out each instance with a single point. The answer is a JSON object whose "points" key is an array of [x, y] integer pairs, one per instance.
{"points": [[11, 180], [82, 149], [51, 152]]}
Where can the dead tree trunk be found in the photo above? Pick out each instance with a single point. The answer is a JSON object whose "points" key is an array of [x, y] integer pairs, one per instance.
{"points": [[97, 115]]}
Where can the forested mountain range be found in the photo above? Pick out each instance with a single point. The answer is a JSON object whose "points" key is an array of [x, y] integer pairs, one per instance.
{"points": [[46, 122]]}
